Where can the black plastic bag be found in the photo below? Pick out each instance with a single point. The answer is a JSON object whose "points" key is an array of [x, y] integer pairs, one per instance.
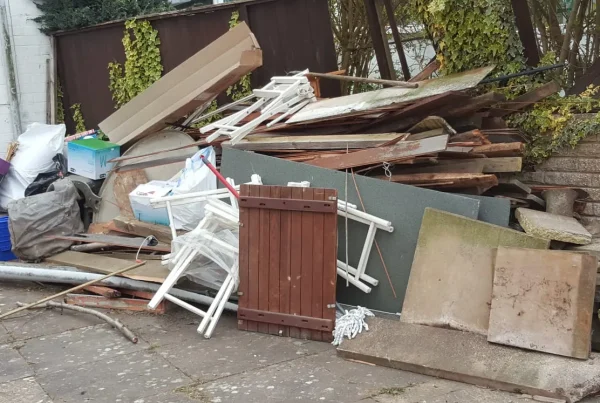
{"points": [[45, 179]]}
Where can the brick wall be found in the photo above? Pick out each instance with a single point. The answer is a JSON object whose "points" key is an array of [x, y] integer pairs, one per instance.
{"points": [[579, 167], [31, 50]]}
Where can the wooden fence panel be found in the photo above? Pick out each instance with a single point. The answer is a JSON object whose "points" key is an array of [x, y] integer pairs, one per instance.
{"points": [[292, 259]]}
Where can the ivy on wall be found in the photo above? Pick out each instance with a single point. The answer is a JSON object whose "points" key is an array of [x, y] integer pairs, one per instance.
{"points": [[143, 65], [473, 33], [60, 108], [78, 118]]}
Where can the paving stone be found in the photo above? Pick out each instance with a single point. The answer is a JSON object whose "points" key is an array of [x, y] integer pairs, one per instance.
{"points": [[12, 364], [124, 378], [470, 358], [443, 391], [450, 283], [173, 397], [5, 336], [552, 226], [543, 300], [230, 351], [25, 390], [76, 347], [322, 377]]}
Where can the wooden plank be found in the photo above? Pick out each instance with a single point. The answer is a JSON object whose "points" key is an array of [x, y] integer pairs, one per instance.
{"points": [[197, 144], [493, 165], [330, 240], [324, 142], [125, 183], [263, 258], [449, 180], [296, 262], [244, 257], [526, 32], [155, 162], [471, 135], [274, 258], [473, 166], [103, 291], [113, 240], [284, 259], [386, 70], [402, 150], [152, 271], [474, 104], [306, 284], [254, 266], [143, 229], [317, 263], [525, 100], [500, 150], [431, 68]]}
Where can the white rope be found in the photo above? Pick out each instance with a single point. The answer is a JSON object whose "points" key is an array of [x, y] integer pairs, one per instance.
{"points": [[386, 169], [350, 324]]}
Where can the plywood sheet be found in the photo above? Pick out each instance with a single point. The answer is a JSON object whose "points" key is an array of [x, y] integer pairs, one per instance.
{"points": [[543, 300], [450, 282], [152, 271], [193, 83], [402, 205], [125, 183]]}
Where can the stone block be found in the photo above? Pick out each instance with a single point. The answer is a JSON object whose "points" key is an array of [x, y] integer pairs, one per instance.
{"points": [[467, 357], [553, 227], [570, 164], [450, 283], [572, 179], [588, 149], [543, 300]]}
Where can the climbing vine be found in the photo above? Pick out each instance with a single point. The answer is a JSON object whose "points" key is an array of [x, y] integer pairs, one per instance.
{"points": [[143, 64], [472, 33], [60, 108], [78, 118]]}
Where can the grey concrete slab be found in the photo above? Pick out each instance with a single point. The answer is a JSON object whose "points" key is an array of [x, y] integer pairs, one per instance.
{"points": [[468, 357], [12, 364], [322, 377], [552, 226], [230, 351], [5, 336], [442, 391], [122, 378], [401, 204], [25, 390], [76, 347]]}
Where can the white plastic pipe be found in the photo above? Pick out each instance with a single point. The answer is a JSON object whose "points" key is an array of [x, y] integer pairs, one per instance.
{"points": [[71, 276], [365, 277], [361, 286], [213, 307]]}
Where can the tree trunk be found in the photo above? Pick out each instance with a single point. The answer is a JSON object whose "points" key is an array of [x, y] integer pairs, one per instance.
{"points": [[564, 51]]}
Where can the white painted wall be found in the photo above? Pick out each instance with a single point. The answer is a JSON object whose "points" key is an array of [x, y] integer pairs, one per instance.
{"points": [[31, 49]]}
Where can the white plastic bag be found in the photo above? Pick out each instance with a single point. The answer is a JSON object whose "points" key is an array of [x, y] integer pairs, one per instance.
{"points": [[37, 146], [195, 177]]}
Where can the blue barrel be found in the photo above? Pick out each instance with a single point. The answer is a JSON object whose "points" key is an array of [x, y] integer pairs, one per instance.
{"points": [[5, 244]]}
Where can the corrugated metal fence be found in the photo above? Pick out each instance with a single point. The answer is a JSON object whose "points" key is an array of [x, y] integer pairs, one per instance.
{"points": [[293, 34]]}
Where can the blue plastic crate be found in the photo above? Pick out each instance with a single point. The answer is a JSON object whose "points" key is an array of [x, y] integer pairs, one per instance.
{"points": [[7, 255]]}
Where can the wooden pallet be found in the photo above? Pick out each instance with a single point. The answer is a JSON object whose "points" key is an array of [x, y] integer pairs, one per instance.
{"points": [[288, 255]]}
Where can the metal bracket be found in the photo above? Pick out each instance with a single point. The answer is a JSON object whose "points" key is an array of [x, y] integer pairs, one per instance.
{"points": [[284, 319], [313, 206]]}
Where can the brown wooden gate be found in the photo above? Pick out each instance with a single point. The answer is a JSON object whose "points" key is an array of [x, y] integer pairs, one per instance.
{"points": [[288, 259]]}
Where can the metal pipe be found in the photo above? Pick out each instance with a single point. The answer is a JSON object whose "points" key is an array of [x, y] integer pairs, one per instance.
{"points": [[70, 276]]}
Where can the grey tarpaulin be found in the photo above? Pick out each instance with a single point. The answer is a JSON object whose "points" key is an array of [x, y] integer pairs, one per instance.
{"points": [[33, 218]]}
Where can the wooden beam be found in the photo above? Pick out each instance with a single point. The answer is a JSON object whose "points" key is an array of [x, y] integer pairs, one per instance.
{"points": [[143, 229], [103, 291], [500, 149], [491, 165], [326, 142], [396, 34], [525, 100], [474, 104], [526, 32], [444, 180], [339, 77], [400, 151], [431, 68], [386, 69]]}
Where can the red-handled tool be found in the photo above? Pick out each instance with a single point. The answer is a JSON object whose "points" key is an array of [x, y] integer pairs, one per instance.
{"points": [[220, 177]]}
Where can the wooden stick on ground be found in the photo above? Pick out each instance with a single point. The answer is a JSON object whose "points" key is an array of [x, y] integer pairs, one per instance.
{"points": [[70, 290], [113, 322]]}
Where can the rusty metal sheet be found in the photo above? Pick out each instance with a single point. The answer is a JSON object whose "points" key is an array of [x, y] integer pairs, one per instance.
{"points": [[376, 99]]}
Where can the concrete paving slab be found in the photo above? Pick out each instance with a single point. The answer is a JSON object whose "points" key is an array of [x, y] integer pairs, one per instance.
{"points": [[12, 364], [5, 336], [230, 351], [543, 300], [322, 377], [76, 347], [450, 283], [442, 391], [467, 357], [552, 226], [122, 378], [25, 390]]}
